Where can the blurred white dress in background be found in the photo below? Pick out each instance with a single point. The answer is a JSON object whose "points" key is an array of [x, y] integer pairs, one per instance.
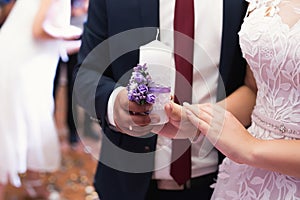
{"points": [[28, 136]]}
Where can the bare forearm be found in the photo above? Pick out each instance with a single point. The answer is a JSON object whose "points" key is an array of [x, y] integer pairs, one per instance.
{"points": [[233, 140], [37, 29], [276, 155]]}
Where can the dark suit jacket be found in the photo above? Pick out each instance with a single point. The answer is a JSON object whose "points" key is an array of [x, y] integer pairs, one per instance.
{"points": [[125, 166]]}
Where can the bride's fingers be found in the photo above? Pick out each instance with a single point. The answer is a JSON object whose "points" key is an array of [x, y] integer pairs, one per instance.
{"points": [[199, 112], [193, 108], [218, 114], [199, 108], [197, 122], [211, 109], [214, 112]]}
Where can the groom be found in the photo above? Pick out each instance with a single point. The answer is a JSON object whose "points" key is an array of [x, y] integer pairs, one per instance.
{"points": [[110, 42]]}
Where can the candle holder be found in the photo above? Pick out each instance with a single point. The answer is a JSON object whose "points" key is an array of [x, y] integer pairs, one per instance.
{"points": [[162, 97], [142, 89]]}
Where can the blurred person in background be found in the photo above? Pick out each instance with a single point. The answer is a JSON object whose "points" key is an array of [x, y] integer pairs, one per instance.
{"points": [[32, 39]]}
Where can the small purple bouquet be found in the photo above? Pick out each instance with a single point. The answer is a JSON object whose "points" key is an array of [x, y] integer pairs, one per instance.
{"points": [[139, 86]]}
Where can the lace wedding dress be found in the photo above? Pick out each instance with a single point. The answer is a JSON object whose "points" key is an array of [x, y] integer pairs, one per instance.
{"points": [[28, 136], [270, 43]]}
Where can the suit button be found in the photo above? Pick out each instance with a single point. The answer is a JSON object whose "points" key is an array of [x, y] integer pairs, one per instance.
{"points": [[147, 148]]}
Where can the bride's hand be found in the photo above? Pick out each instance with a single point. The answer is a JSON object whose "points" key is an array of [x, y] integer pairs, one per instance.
{"points": [[223, 130]]}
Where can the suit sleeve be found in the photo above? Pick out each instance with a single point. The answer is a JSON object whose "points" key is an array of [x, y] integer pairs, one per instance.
{"points": [[92, 80]]}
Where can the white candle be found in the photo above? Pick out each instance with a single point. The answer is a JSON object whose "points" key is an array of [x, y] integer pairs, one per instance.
{"points": [[160, 63]]}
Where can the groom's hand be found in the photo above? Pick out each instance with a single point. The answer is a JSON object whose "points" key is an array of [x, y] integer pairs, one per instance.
{"points": [[132, 118], [179, 126]]}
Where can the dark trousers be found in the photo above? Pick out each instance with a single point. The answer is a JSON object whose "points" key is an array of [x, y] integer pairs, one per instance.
{"points": [[73, 136], [72, 119], [199, 190]]}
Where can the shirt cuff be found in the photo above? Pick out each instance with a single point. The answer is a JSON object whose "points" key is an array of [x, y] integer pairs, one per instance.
{"points": [[110, 106]]}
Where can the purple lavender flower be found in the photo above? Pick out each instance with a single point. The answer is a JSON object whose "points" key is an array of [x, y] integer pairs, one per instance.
{"points": [[130, 96], [143, 89], [138, 86], [150, 98], [139, 78]]}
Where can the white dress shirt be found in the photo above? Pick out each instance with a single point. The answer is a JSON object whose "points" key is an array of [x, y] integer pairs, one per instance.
{"points": [[208, 35]]}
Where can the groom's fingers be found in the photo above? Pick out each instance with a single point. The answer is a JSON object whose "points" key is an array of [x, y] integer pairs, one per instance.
{"points": [[173, 111], [167, 130]]}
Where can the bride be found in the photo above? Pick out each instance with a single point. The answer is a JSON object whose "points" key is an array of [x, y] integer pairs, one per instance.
{"points": [[262, 161]]}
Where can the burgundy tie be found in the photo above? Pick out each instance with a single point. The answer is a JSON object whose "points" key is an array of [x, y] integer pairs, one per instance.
{"points": [[184, 46]]}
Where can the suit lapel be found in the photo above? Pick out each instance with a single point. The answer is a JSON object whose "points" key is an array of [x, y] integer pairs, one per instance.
{"points": [[233, 13], [149, 12], [149, 15], [226, 40]]}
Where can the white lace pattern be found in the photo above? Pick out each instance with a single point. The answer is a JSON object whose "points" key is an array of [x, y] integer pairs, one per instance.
{"points": [[272, 49]]}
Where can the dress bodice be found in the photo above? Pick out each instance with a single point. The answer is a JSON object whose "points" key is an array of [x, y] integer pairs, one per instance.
{"points": [[272, 50]]}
